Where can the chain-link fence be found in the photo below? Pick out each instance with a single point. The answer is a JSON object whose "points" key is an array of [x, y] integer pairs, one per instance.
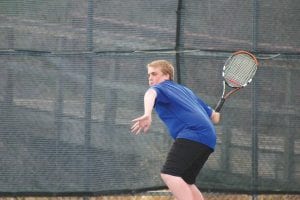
{"points": [[73, 75]]}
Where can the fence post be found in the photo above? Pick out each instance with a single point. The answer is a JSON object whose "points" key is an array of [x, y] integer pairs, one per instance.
{"points": [[255, 147], [289, 143], [88, 91], [179, 39]]}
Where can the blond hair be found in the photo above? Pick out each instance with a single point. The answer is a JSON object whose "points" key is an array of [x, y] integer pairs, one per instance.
{"points": [[165, 66]]}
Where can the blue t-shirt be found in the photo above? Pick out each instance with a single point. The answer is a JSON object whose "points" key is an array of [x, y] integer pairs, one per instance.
{"points": [[185, 114]]}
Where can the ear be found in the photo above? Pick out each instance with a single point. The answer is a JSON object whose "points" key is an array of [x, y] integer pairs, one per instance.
{"points": [[167, 76]]}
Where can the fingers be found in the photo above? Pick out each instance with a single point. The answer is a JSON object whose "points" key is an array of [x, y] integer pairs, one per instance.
{"points": [[139, 126], [136, 129], [135, 120], [134, 126], [138, 119]]}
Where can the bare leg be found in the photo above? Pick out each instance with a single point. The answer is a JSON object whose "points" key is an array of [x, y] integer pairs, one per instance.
{"points": [[196, 192], [180, 189]]}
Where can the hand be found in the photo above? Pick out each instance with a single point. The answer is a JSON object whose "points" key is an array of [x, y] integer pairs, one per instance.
{"points": [[215, 117], [142, 123]]}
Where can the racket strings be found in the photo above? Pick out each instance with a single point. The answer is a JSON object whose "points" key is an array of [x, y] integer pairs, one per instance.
{"points": [[239, 70]]}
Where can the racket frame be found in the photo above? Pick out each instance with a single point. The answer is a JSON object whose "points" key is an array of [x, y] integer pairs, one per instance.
{"points": [[235, 89]]}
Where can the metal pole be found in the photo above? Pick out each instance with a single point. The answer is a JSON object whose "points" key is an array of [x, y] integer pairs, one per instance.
{"points": [[255, 147], [88, 91], [179, 39], [90, 26], [289, 144], [255, 25], [89, 75]]}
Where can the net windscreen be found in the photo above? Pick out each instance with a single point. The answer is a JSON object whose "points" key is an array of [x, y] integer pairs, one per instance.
{"points": [[73, 75]]}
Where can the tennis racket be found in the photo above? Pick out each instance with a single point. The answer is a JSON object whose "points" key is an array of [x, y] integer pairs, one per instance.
{"points": [[238, 71]]}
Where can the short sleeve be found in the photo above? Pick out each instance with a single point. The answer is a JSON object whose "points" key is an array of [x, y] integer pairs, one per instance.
{"points": [[160, 94], [207, 108]]}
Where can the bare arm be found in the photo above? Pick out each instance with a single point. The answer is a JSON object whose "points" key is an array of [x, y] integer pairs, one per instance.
{"points": [[143, 122], [149, 100], [215, 117]]}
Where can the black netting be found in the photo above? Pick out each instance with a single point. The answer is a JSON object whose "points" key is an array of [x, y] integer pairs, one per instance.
{"points": [[73, 75]]}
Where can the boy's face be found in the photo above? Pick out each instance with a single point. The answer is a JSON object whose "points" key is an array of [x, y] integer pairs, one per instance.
{"points": [[155, 76]]}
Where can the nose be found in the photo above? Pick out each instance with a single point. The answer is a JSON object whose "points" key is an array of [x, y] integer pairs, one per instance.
{"points": [[150, 79]]}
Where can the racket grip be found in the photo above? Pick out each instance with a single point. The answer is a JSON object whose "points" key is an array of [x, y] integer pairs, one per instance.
{"points": [[219, 105]]}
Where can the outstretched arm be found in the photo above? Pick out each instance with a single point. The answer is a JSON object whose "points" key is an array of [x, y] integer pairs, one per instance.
{"points": [[143, 122]]}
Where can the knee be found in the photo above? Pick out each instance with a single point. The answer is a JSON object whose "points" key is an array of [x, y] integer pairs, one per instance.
{"points": [[167, 177], [163, 176]]}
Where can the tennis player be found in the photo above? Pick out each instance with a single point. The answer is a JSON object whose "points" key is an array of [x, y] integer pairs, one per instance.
{"points": [[190, 123]]}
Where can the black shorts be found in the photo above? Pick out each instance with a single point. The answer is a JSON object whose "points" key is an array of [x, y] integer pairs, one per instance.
{"points": [[185, 159]]}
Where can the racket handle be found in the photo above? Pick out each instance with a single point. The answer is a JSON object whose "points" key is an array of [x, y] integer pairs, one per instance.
{"points": [[219, 105]]}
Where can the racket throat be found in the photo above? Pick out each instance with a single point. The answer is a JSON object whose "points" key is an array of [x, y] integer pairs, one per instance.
{"points": [[220, 105]]}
